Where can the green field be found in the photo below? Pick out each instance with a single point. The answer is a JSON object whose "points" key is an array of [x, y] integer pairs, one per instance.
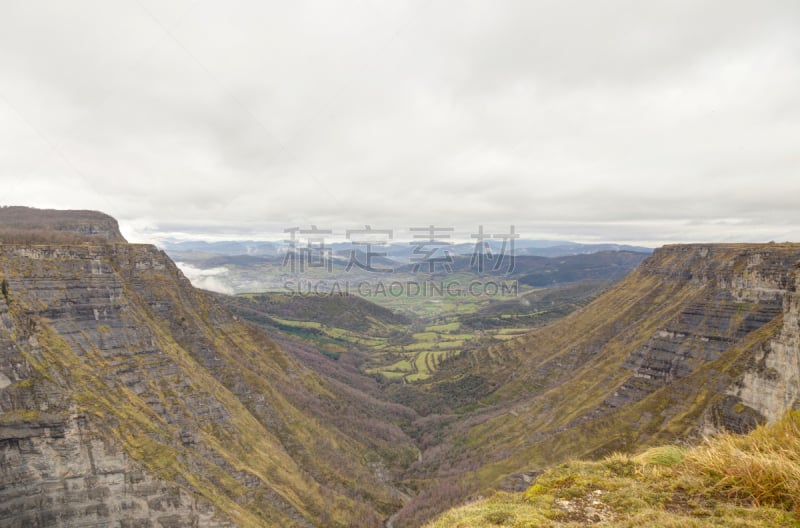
{"points": [[396, 347], [406, 337]]}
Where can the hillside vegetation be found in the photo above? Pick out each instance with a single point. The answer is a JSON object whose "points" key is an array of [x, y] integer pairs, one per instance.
{"points": [[111, 359], [399, 347], [729, 481], [696, 338]]}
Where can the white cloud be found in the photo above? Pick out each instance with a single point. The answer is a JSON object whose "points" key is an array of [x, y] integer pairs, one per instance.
{"points": [[587, 119], [212, 279]]}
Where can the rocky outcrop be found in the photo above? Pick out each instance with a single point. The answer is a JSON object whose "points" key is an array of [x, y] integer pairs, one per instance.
{"points": [[743, 289], [28, 225]]}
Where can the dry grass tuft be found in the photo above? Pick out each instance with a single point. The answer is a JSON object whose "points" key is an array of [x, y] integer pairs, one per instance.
{"points": [[763, 467], [732, 481]]}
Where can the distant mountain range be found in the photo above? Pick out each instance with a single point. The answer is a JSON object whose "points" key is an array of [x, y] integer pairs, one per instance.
{"points": [[399, 251]]}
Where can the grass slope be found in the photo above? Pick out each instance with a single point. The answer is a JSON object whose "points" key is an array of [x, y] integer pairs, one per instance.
{"points": [[731, 481]]}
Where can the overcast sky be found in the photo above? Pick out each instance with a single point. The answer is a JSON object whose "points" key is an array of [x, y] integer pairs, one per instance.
{"points": [[628, 121]]}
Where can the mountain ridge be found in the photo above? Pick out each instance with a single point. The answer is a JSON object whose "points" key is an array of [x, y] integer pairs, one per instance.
{"points": [[697, 338], [198, 402]]}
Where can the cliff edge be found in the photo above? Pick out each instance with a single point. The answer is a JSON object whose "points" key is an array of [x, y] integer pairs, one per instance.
{"points": [[129, 398]]}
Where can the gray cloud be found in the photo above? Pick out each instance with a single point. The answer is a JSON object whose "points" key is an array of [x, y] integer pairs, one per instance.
{"points": [[613, 120]]}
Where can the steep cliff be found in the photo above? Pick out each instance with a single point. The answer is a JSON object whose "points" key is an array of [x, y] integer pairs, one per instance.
{"points": [[128, 397], [698, 338]]}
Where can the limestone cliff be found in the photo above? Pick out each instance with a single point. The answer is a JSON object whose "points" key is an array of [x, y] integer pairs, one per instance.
{"points": [[698, 338], [741, 290], [128, 398]]}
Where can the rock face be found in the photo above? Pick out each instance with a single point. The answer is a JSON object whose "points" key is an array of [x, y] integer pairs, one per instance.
{"points": [[60, 472], [744, 290], [128, 398], [57, 466], [771, 383], [726, 314], [698, 338]]}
